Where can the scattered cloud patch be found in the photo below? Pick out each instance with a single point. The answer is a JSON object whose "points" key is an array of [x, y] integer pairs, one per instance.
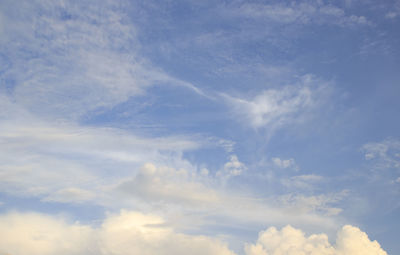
{"points": [[305, 12], [325, 204], [273, 108], [232, 168], [384, 154], [302, 181], [394, 11], [285, 163]]}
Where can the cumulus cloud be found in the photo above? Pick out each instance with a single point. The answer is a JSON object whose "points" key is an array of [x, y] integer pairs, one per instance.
{"points": [[131, 232], [350, 241], [121, 234], [37, 234]]}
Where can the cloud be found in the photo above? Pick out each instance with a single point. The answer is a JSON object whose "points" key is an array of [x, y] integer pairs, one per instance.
{"points": [[274, 108], [200, 200], [74, 57], [42, 159], [323, 203], [394, 11], [32, 233], [120, 234], [350, 241], [285, 163], [131, 232], [163, 184], [384, 154], [303, 12], [232, 168], [302, 181]]}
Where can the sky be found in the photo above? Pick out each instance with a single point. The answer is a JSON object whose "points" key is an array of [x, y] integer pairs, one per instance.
{"points": [[199, 127]]}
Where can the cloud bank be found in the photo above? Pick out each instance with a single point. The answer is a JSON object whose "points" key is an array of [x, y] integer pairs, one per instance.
{"points": [[126, 233], [130, 232]]}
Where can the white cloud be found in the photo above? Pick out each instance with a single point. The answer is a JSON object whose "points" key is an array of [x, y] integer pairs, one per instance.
{"points": [[350, 241], [36, 234], [383, 154], [131, 232], [299, 13], [274, 108], [200, 200], [42, 159], [74, 164], [391, 15], [285, 163], [122, 234], [302, 181], [323, 203], [394, 11], [72, 58], [232, 168], [163, 184]]}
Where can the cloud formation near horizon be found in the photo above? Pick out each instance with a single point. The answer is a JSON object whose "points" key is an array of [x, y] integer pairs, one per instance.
{"points": [[130, 232]]}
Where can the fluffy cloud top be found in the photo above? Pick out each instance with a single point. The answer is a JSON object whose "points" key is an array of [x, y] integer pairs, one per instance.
{"points": [[290, 241], [129, 233]]}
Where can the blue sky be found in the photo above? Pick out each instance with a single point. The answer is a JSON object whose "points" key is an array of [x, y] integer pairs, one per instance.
{"points": [[223, 127]]}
